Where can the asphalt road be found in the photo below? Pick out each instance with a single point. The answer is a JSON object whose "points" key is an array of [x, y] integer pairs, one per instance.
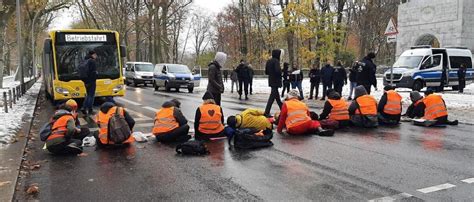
{"points": [[406, 162]]}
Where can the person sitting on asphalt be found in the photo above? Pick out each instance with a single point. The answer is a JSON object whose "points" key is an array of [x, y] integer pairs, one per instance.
{"points": [[335, 108], [390, 106], [416, 109], [84, 130], [106, 111], [435, 111], [209, 119], [65, 136], [295, 117], [250, 118], [170, 123], [363, 109]]}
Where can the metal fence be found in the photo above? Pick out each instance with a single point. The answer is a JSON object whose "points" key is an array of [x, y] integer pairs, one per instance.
{"points": [[13, 94]]}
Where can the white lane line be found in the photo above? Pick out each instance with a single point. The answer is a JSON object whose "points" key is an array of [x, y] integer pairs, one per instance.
{"points": [[150, 108], [436, 188], [392, 198], [143, 125], [469, 180], [142, 119], [128, 101], [137, 113]]}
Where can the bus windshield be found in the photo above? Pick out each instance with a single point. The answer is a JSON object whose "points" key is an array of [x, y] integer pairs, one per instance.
{"points": [[178, 69], [408, 61], [144, 67], [69, 56]]}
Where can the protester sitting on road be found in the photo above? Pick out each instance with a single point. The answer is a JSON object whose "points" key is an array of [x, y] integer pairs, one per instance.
{"points": [[390, 106], [107, 110], [295, 117], [416, 109], [209, 119], [65, 136], [363, 109], [170, 123], [435, 111], [84, 130], [336, 109], [250, 118]]}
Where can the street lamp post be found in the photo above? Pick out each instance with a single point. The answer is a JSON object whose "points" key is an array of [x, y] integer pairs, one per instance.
{"points": [[20, 53]]}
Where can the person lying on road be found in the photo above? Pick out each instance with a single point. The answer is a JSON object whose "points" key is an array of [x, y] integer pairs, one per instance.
{"points": [[209, 119], [170, 123]]}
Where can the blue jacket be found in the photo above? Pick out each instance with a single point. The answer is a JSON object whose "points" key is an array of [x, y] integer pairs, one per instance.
{"points": [[327, 74]]}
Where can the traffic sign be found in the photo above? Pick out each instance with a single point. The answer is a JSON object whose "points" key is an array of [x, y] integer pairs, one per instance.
{"points": [[391, 28], [391, 38]]}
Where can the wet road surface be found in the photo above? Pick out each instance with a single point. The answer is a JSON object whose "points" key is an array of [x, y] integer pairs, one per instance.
{"points": [[406, 162]]}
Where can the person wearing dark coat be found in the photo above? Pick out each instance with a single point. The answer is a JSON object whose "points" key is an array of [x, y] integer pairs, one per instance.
{"points": [[226, 75], [366, 73], [327, 78], [314, 79], [243, 73], [462, 77], [358, 118], [333, 95], [90, 83], [384, 117], [352, 79], [296, 80], [339, 77], [200, 135], [216, 85], [415, 110], [442, 120], [251, 72], [273, 70], [286, 79], [179, 134]]}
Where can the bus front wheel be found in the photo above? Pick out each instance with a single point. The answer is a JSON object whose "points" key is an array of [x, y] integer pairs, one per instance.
{"points": [[418, 85]]}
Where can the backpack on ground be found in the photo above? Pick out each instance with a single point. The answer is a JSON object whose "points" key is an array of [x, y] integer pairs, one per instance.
{"points": [[118, 129], [46, 130], [83, 69], [192, 147], [251, 138]]}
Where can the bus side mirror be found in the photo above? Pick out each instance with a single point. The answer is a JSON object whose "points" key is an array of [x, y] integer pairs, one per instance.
{"points": [[123, 51]]}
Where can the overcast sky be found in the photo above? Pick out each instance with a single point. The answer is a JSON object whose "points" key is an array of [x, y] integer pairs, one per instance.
{"points": [[65, 18]]}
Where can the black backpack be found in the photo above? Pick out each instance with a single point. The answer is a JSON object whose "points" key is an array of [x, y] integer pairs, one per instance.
{"points": [[118, 129], [83, 69], [192, 147], [251, 138]]}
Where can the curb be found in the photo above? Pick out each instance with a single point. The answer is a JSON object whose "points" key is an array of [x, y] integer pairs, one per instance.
{"points": [[13, 155]]}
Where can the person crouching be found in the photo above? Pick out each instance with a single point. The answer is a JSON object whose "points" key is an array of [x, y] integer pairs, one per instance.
{"points": [[363, 109], [170, 123], [209, 119], [64, 138]]}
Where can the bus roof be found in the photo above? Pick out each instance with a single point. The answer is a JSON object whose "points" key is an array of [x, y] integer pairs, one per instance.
{"points": [[83, 30]]}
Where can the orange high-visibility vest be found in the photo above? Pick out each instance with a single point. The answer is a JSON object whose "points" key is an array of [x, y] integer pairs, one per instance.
{"points": [[340, 110], [164, 121], [367, 105], [434, 107], [59, 127], [103, 123], [211, 119], [297, 113], [394, 103]]}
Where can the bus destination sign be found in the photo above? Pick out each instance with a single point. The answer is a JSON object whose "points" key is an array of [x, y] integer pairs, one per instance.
{"points": [[86, 38]]}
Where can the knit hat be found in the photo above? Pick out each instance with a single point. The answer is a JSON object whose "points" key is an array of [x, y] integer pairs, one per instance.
{"points": [[415, 96], [429, 92], [72, 103], [293, 94], [207, 96], [176, 102], [359, 91]]}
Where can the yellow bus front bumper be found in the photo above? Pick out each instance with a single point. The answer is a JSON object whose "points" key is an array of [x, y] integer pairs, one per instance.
{"points": [[76, 89]]}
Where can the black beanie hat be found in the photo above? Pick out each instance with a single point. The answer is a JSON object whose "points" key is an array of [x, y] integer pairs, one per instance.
{"points": [[207, 96], [232, 121]]}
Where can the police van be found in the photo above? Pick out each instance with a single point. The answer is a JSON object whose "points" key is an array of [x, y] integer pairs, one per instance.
{"points": [[175, 76], [424, 66]]}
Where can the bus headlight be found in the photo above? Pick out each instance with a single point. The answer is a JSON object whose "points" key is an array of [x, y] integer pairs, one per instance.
{"points": [[117, 88], [62, 91]]}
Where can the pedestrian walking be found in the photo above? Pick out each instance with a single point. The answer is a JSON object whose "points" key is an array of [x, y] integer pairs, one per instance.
{"points": [[243, 73], [314, 79], [366, 72], [216, 85], [273, 70], [89, 79], [252, 73], [339, 77], [170, 124], [296, 79], [234, 79], [327, 77], [226, 74], [286, 79], [352, 79], [462, 77]]}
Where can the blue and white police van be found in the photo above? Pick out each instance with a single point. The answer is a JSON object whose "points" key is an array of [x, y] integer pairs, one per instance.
{"points": [[423, 66], [175, 76]]}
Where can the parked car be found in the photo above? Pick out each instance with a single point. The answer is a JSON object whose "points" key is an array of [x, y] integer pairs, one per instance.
{"points": [[174, 76], [138, 73]]}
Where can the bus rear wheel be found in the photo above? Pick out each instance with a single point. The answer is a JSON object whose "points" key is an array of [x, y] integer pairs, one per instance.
{"points": [[418, 85]]}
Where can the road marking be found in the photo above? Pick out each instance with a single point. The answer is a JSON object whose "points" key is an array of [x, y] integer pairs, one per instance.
{"points": [[143, 125], [142, 119], [469, 180], [150, 108], [392, 198], [436, 188], [128, 101], [137, 113]]}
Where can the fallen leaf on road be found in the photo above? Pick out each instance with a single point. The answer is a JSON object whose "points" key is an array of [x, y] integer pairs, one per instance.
{"points": [[91, 180], [36, 166], [32, 189], [5, 183], [83, 154]]}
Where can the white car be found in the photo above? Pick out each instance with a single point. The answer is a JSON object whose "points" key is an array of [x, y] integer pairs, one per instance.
{"points": [[138, 73]]}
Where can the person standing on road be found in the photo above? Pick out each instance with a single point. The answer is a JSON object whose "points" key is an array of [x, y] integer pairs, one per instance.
{"points": [[170, 123], [339, 77], [226, 74], [215, 85], [296, 79], [243, 73], [286, 79], [363, 109], [90, 82], [314, 79], [234, 79], [366, 72], [65, 136], [252, 73], [327, 76], [462, 77], [390, 106], [209, 119], [352, 79], [273, 70]]}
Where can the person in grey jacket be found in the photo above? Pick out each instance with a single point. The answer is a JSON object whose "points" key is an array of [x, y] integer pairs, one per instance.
{"points": [[215, 84]]}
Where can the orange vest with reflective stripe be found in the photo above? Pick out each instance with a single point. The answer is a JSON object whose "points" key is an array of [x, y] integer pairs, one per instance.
{"points": [[339, 111], [367, 105], [59, 127], [165, 121], [211, 119], [434, 107], [297, 113], [103, 123], [394, 103]]}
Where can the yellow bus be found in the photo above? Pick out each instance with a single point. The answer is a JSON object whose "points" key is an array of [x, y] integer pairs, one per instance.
{"points": [[63, 52]]}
